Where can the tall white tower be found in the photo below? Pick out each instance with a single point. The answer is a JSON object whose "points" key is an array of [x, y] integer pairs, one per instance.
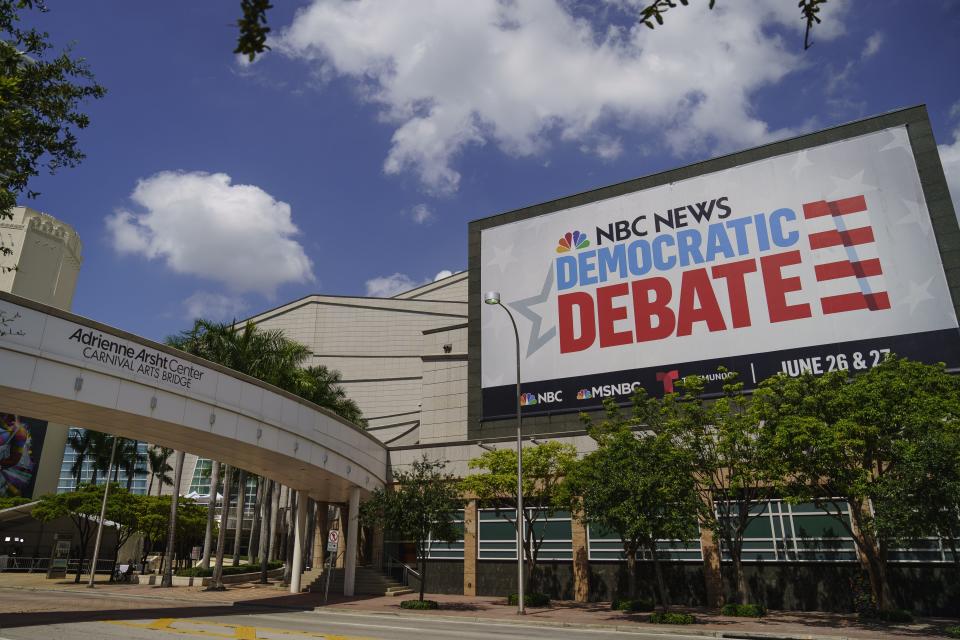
{"points": [[46, 253]]}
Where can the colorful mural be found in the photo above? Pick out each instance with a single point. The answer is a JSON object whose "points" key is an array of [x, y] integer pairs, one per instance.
{"points": [[21, 442]]}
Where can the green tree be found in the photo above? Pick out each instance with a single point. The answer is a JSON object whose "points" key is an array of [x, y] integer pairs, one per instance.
{"points": [[81, 506], [651, 14], [322, 387], [544, 467], [840, 439], [252, 25], [7, 502], [153, 522], [419, 507], [920, 497], [270, 356], [40, 96], [729, 451], [637, 485], [123, 510]]}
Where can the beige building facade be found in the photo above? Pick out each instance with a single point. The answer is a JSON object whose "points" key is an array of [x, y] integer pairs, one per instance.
{"points": [[47, 259]]}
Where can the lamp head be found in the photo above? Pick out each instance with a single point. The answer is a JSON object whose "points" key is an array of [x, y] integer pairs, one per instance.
{"points": [[492, 297]]}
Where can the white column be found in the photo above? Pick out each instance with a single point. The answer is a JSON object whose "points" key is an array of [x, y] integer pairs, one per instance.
{"points": [[298, 541], [353, 526]]}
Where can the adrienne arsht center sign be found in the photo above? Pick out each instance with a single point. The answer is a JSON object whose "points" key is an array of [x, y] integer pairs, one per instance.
{"points": [[814, 260]]}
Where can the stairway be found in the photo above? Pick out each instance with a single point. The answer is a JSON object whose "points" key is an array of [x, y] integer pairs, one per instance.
{"points": [[369, 581]]}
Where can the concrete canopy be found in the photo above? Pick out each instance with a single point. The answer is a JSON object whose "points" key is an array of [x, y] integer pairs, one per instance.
{"points": [[63, 368]]}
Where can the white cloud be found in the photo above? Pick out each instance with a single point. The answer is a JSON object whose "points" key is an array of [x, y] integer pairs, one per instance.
{"points": [[421, 214], [388, 286], [200, 224], [873, 44], [521, 75], [214, 306], [950, 157]]}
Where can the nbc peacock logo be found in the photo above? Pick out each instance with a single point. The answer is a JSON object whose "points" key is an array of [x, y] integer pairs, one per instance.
{"points": [[584, 394], [527, 399], [572, 240]]}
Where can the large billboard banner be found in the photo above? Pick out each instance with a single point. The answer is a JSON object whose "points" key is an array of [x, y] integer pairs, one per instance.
{"points": [[815, 260]]}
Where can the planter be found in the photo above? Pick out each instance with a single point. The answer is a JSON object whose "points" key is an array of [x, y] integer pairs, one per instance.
{"points": [[190, 581]]}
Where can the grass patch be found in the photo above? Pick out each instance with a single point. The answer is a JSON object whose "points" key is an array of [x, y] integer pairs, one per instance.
{"points": [[419, 604], [530, 599], [200, 572], [743, 610], [952, 632], [672, 618], [626, 604]]}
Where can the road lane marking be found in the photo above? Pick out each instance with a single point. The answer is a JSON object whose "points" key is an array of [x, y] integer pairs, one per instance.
{"points": [[485, 624], [192, 627]]}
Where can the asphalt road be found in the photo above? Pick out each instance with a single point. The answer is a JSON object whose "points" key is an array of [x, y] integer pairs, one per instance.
{"points": [[303, 626], [31, 615]]}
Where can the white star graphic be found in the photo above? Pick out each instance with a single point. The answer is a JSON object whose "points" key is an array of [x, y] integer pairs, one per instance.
{"points": [[801, 163], [849, 187], [914, 215], [537, 337], [502, 258], [918, 293], [898, 140]]}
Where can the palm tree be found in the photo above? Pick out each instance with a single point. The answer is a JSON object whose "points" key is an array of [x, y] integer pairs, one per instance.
{"points": [[101, 446], [159, 467], [79, 440], [322, 386], [128, 459]]}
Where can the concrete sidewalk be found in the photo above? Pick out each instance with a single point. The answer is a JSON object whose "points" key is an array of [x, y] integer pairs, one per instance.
{"points": [[778, 624]]}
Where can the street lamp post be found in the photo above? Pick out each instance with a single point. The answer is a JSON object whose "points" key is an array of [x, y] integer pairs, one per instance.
{"points": [[103, 515], [493, 298]]}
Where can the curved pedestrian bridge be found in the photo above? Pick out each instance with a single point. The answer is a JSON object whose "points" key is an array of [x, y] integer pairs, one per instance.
{"points": [[63, 368]]}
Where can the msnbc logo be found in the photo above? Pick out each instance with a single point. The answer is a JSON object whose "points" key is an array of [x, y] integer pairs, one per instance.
{"points": [[584, 394], [574, 240]]}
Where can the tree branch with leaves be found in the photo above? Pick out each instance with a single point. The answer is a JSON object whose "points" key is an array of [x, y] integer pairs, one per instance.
{"points": [[420, 507]]}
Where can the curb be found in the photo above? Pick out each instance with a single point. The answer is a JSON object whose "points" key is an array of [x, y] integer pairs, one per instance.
{"points": [[683, 630], [252, 604], [111, 594]]}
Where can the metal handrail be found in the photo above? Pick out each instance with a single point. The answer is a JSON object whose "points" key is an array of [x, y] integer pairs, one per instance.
{"points": [[407, 570]]}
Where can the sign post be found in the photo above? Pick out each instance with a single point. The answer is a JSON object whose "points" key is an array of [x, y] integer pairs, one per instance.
{"points": [[333, 542]]}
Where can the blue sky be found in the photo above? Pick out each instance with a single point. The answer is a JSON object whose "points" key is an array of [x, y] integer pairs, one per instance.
{"points": [[349, 159]]}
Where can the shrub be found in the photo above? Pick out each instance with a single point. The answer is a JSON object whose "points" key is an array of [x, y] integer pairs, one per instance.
{"points": [[419, 604], [626, 604], [200, 572], [530, 599], [672, 618], [952, 632], [895, 615], [887, 615], [743, 610]]}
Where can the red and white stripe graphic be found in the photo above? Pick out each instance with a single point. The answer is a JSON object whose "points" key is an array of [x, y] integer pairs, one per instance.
{"points": [[847, 265]]}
